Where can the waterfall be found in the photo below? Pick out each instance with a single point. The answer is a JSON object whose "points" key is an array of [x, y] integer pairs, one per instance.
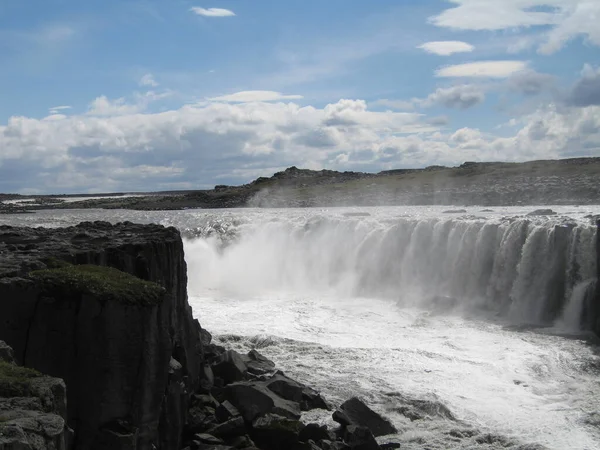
{"points": [[531, 272]]}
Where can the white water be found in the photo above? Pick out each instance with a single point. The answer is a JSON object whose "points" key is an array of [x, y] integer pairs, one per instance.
{"points": [[406, 303], [345, 303]]}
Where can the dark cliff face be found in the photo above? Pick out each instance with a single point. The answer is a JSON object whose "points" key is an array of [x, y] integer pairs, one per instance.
{"points": [[115, 356]]}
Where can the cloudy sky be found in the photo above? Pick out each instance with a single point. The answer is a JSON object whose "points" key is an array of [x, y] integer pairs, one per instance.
{"points": [[130, 95]]}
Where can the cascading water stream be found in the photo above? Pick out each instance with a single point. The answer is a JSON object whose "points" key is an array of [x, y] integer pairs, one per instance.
{"points": [[533, 273]]}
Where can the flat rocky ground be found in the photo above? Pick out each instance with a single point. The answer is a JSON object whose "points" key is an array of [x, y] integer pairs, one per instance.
{"points": [[567, 181]]}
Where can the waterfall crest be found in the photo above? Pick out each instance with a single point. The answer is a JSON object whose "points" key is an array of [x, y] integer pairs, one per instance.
{"points": [[531, 272]]}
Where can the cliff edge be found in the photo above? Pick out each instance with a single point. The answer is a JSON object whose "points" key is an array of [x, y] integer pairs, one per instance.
{"points": [[104, 307]]}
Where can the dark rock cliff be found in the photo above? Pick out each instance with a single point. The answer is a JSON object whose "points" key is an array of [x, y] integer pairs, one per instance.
{"points": [[130, 359]]}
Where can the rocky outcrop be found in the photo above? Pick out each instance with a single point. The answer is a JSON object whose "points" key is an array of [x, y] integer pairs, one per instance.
{"points": [[32, 408], [104, 307]]}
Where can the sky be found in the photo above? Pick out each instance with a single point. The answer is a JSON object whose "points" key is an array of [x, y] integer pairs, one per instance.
{"points": [[139, 95]]}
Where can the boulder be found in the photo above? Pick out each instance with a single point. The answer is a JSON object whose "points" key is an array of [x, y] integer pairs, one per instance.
{"points": [[230, 367], [257, 364], [314, 432], [274, 432], [226, 411], [360, 438], [233, 427], [206, 438], [355, 412], [291, 390], [253, 399]]}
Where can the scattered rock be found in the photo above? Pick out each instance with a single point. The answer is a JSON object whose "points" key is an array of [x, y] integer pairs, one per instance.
{"points": [[257, 364], [206, 438], [233, 427], [274, 432], [230, 367], [314, 432], [360, 438], [226, 411], [355, 412], [253, 400], [454, 211]]}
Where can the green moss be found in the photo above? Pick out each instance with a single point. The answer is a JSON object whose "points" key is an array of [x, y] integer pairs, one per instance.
{"points": [[105, 283], [15, 381]]}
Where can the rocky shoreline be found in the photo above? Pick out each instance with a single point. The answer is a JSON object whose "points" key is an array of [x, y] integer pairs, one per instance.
{"points": [[98, 314]]}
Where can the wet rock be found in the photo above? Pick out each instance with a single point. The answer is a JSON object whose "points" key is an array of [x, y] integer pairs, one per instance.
{"points": [[233, 427], [455, 211], [424, 409], [542, 212], [360, 438], [226, 411], [206, 438], [315, 432], [355, 412], [274, 432], [293, 391], [333, 445], [258, 364], [253, 400], [240, 442], [230, 367]]}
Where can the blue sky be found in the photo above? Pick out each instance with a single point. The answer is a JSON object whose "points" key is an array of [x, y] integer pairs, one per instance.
{"points": [[124, 95]]}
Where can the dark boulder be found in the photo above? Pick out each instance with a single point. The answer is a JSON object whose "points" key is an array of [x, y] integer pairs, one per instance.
{"points": [[257, 364], [274, 432], [355, 412], [253, 400], [233, 427], [315, 432], [226, 411], [230, 367], [293, 391], [206, 438], [360, 438]]}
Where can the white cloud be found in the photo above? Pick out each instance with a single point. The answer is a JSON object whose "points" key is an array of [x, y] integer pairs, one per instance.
{"points": [[212, 12], [567, 19], [148, 80], [57, 109], [103, 106], [395, 104], [446, 48], [254, 96], [122, 148], [488, 69], [462, 96]]}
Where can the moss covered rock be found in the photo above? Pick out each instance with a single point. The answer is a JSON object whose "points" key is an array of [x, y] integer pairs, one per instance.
{"points": [[15, 381], [104, 283]]}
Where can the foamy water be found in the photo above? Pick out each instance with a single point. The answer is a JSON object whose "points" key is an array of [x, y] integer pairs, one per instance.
{"points": [[401, 303]]}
